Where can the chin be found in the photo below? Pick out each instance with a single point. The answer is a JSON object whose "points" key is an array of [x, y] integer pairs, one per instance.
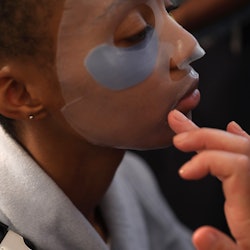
{"points": [[158, 139]]}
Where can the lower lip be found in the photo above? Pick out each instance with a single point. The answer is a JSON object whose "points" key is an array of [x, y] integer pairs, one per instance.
{"points": [[189, 102]]}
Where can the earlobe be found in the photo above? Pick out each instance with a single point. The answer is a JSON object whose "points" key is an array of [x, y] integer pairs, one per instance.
{"points": [[15, 101]]}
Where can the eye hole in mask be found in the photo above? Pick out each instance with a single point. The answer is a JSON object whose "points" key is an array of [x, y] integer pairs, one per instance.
{"points": [[132, 56], [140, 37]]}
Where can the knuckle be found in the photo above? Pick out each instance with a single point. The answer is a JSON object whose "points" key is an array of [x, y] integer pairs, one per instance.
{"points": [[243, 162]]}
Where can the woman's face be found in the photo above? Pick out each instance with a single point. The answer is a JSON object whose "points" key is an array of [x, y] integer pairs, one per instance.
{"points": [[122, 66]]}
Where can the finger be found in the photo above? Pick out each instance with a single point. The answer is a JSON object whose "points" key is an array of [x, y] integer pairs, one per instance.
{"points": [[207, 138], [235, 128], [218, 163], [234, 171], [209, 238], [180, 123]]}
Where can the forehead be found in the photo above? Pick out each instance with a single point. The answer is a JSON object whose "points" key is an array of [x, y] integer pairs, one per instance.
{"points": [[86, 13], [99, 5], [81, 16], [99, 8]]}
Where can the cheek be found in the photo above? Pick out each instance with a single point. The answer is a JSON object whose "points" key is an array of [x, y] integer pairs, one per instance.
{"points": [[122, 118], [137, 120]]}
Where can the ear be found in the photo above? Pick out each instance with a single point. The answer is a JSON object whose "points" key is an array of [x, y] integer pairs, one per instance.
{"points": [[15, 101]]}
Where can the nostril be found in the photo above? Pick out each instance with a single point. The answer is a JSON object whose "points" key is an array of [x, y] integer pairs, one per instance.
{"points": [[176, 74], [197, 53]]}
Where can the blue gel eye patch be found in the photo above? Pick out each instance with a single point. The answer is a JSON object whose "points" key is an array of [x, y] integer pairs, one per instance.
{"points": [[120, 68]]}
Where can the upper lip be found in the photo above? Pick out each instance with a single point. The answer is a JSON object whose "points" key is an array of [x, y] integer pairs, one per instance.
{"points": [[193, 81], [190, 90]]}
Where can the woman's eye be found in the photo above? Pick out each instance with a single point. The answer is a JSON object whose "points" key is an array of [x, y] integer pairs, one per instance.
{"points": [[171, 7], [140, 36]]}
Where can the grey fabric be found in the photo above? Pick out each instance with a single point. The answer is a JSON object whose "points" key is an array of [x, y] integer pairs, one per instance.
{"points": [[146, 221], [33, 205]]}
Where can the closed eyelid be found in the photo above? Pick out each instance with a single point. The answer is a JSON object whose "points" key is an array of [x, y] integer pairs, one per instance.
{"points": [[137, 20], [139, 36], [138, 25]]}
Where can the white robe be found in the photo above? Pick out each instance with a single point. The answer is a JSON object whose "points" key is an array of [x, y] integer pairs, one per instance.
{"points": [[137, 216]]}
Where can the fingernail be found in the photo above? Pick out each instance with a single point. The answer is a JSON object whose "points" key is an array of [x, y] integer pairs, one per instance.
{"points": [[183, 170], [179, 116], [236, 126], [238, 129], [210, 239]]}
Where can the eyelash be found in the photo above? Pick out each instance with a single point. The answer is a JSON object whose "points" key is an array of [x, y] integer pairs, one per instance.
{"points": [[172, 7], [140, 36]]}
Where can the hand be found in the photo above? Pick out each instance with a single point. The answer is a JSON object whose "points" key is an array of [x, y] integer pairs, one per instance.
{"points": [[226, 155]]}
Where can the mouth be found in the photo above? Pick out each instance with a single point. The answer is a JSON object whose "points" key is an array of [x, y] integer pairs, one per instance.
{"points": [[190, 99]]}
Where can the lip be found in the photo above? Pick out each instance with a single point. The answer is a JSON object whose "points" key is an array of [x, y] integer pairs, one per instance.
{"points": [[191, 97]]}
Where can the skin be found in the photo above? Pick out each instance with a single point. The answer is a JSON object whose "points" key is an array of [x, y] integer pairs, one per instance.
{"points": [[62, 153], [225, 155]]}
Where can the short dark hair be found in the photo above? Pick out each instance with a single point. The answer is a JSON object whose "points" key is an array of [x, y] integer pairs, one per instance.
{"points": [[24, 27], [24, 34]]}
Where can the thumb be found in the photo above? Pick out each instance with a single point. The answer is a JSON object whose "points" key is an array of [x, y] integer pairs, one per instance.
{"points": [[209, 238]]}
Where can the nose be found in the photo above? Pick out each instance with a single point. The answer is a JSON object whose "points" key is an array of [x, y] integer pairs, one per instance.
{"points": [[186, 49]]}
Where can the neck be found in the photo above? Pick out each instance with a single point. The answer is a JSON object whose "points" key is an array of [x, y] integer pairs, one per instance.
{"points": [[83, 171]]}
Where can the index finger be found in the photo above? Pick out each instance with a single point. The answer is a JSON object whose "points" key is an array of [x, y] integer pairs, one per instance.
{"points": [[213, 139], [180, 123]]}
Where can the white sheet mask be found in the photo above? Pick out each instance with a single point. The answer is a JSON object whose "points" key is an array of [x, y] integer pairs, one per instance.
{"points": [[110, 67]]}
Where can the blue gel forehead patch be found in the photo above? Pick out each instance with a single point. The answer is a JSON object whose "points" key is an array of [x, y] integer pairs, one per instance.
{"points": [[120, 68]]}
